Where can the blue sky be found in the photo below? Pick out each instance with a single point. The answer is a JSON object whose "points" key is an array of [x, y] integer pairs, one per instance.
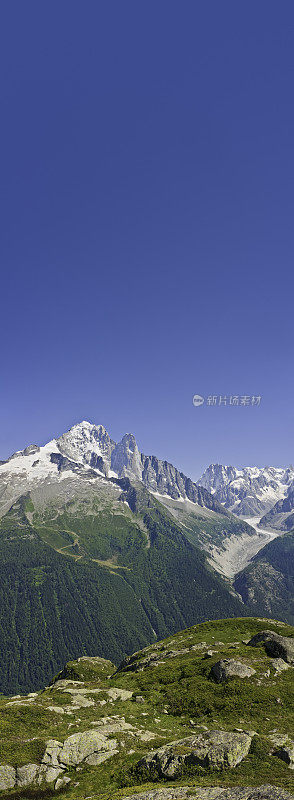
{"points": [[147, 237]]}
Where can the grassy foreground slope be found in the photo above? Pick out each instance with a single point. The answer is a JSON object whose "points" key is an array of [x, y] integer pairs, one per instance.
{"points": [[171, 696]]}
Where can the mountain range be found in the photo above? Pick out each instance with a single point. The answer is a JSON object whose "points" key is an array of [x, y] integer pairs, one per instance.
{"points": [[104, 550], [251, 491]]}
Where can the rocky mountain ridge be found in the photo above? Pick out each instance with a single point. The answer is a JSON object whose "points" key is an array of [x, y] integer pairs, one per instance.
{"points": [[91, 447], [248, 492]]}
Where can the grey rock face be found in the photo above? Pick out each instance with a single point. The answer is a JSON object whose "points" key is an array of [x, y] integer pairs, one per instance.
{"points": [[215, 749], [84, 441], [286, 753], [27, 774], [275, 645], [91, 747], [214, 793], [281, 516], [126, 460], [63, 463], [61, 782], [228, 668], [92, 445], [7, 777]]}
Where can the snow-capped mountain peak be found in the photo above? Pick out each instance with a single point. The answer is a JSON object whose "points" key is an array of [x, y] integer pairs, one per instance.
{"points": [[87, 452], [250, 491]]}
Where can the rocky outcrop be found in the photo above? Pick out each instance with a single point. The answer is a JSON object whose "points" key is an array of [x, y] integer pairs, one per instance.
{"points": [[283, 748], [90, 747], [275, 645], [215, 749], [214, 793], [27, 774], [64, 464], [229, 668], [7, 777]]}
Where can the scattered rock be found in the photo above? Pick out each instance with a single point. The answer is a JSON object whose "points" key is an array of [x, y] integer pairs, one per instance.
{"points": [[280, 665], [61, 782], [286, 752], [275, 645], [213, 793], [139, 699], [229, 668], [119, 694], [56, 709], [215, 749]]}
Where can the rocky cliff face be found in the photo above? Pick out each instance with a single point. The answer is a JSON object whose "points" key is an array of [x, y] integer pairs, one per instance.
{"points": [[88, 450], [92, 445], [251, 491], [281, 516]]}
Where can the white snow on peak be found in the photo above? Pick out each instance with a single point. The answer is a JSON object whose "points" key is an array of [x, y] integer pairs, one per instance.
{"points": [[85, 441], [33, 466]]}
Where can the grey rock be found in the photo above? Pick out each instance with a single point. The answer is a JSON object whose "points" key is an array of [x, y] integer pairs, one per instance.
{"points": [[229, 668], [51, 774], [281, 516], [215, 749], [61, 782], [91, 747], [214, 793], [286, 753], [280, 665], [275, 645], [50, 757], [27, 774], [119, 694], [7, 777]]}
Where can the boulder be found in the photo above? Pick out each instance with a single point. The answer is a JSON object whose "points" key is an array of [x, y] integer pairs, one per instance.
{"points": [[91, 747], [119, 694], [61, 782], [280, 665], [286, 753], [215, 749], [50, 757], [275, 645], [27, 774], [229, 668], [7, 777]]}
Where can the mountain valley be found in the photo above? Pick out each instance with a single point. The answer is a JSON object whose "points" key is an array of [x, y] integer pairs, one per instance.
{"points": [[104, 550]]}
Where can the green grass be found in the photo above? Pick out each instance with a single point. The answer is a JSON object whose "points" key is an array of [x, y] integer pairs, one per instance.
{"points": [[179, 696]]}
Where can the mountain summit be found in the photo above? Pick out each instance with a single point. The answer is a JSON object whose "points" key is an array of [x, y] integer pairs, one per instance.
{"points": [[86, 446]]}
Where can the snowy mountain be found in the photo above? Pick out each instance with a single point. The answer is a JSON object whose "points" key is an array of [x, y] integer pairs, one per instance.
{"points": [[248, 492], [87, 450], [92, 560]]}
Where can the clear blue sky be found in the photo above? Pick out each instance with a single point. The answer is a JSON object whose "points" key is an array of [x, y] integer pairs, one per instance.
{"points": [[147, 237]]}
